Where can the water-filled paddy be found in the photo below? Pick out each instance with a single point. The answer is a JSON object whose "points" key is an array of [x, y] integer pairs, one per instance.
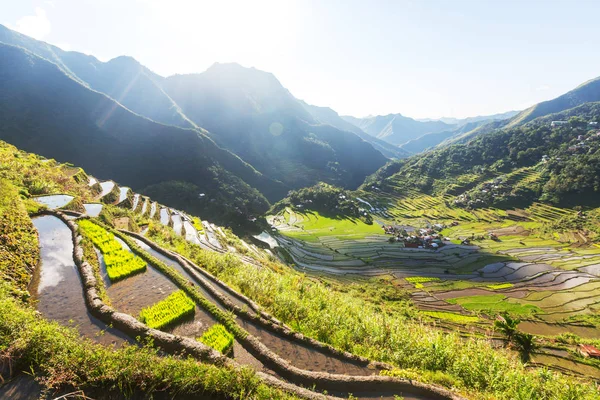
{"points": [[93, 209], [54, 201], [56, 285]]}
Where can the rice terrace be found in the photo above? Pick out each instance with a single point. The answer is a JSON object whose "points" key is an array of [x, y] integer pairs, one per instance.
{"points": [[491, 261], [197, 228]]}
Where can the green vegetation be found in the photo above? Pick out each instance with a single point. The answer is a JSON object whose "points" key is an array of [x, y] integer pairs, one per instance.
{"points": [[499, 286], [218, 338], [494, 303], [325, 199], [120, 263], [174, 308], [458, 318], [19, 253], [312, 225], [418, 281], [75, 205], [378, 331], [568, 176], [89, 254], [62, 360]]}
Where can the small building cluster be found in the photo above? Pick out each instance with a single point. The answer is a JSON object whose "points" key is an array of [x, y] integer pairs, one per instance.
{"points": [[587, 350], [422, 239]]}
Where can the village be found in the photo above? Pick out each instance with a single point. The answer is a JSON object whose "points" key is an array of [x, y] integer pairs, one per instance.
{"points": [[426, 238]]}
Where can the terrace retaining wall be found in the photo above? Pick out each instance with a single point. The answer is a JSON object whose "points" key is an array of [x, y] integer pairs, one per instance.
{"points": [[166, 341], [287, 370]]}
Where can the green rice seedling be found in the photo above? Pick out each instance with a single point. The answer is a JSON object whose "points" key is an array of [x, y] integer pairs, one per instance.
{"points": [[499, 286], [418, 281], [120, 263], [174, 308], [452, 316], [218, 338]]}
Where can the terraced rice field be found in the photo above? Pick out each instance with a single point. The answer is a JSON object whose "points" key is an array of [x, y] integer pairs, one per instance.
{"points": [[547, 277]]}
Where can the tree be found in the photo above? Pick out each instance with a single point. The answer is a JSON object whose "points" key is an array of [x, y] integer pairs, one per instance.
{"points": [[525, 344], [507, 325]]}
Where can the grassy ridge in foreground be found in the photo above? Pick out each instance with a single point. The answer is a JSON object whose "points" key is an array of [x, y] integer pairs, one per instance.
{"points": [[61, 359], [383, 332], [175, 307], [120, 263]]}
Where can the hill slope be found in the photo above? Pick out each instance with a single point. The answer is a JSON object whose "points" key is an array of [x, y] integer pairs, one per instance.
{"points": [[566, 159], [586, 92], [250, 113], [44, 110]]}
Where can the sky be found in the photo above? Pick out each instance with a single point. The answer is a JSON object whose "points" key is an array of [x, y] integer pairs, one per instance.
{"points": [[420, 58]]}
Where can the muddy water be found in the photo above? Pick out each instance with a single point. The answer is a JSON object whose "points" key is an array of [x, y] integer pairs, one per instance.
{"points": [[153, 209], [106, 188], [302, 356], [172, 263], [93, 209], [54, 201], [267, 238], [546, 329], [194, 327], [553, 361], [136, 200], [134, 293], [164, 216], [191, 234], [56, 284], [177, 223], [123, 193], [144, 206]]}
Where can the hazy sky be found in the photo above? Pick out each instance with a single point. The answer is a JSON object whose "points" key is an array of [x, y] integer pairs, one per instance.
{"points": [[420, 58]]}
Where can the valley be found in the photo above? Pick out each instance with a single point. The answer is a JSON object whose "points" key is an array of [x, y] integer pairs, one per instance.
{"points": [[209, 235]]}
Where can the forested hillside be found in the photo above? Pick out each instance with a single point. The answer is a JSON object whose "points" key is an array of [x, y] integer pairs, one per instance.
{"points": [[567, 156]]}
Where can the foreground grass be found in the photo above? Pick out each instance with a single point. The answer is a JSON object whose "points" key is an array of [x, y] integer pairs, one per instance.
{"points": [[382, 332], [62, 360]]}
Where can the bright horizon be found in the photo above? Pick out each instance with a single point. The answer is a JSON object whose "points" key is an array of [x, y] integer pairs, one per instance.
{"points": [[422, 59]]}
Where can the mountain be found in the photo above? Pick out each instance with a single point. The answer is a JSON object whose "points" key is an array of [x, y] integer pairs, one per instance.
{"points": [[396, 128], [586, 92], [123, 78], [327, 116], [479, 118], [250, 113], [44, 110], [432, 140]]}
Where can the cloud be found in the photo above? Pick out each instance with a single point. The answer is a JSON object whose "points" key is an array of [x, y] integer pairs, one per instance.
{"points": [[37, 26]]}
